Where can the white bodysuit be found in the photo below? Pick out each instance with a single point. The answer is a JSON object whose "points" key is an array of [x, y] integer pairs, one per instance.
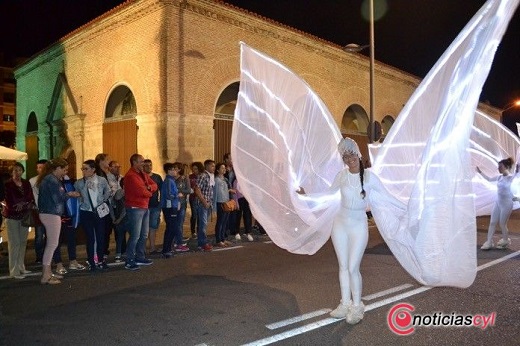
{"points": [[350, 234], [503, 205]]}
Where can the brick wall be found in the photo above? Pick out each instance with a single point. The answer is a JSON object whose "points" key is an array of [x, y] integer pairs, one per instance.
{"points": [[177, 59]]}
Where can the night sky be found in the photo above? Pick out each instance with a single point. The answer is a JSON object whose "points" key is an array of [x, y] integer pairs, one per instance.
{"points": [[410, 35]]}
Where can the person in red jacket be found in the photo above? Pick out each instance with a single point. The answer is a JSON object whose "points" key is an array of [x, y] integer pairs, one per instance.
{"points": [[139, 187]]}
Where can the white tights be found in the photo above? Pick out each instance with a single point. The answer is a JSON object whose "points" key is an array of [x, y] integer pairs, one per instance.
{"points": [[350, 238], [500, 215]]}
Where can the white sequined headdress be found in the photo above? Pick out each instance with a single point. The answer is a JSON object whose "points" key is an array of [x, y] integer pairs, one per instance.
{"points": [[348, 145]]}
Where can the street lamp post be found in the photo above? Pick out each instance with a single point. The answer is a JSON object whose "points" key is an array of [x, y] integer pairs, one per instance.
{"points": [[356, 48], [372, 91]]}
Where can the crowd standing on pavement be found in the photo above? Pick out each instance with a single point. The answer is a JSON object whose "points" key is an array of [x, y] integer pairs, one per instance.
{"points": [[135, 202]]}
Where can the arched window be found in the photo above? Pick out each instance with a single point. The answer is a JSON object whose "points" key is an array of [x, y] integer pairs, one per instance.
{"points": [[120, 126], [121, 103], [32, 123], [386, 124], [223, 123], [354, 124], [355, 120]]}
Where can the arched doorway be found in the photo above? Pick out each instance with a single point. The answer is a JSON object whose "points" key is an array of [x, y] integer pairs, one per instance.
{"points": [[223, 123], [386, 124], [120, 126], [31, 146], [354, 124]]}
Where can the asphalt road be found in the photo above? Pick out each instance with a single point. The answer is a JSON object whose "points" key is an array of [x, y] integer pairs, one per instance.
{"points": [[256, 293]]}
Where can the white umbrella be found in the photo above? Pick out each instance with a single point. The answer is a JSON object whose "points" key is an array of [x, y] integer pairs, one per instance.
{"points": [[11, 154]]}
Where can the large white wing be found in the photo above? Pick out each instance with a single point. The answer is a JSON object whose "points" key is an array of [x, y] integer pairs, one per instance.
{"points": [[490, 142], [424, 206], [284, 137]]}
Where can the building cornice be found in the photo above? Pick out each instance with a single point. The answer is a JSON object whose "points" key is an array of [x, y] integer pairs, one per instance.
{"points": [[133, 10], [119, 16], [263, 26]]}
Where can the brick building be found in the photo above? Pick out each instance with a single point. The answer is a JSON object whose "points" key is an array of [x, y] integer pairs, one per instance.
{"points": [[161, 78], [7, 107]]}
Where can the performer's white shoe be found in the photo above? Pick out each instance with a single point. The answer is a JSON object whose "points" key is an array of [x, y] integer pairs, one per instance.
{"points": [[503, 244], [487, 245], [341, 311], [355, 313]]}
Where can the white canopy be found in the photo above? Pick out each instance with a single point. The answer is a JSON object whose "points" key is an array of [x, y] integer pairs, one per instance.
{"points": [[11, 154]]}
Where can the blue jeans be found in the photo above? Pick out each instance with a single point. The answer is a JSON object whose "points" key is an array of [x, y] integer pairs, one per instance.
{"points": [[179, 223], [202, 223], [221, 225], [138, 223], [39, 241], [155, 217], [94, 228]]}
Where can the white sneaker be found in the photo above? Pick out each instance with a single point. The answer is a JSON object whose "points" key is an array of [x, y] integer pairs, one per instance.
{"points": [[503, 244], [355, 313], [487, 245], [238, 237], [250, 237], [340, 312]]}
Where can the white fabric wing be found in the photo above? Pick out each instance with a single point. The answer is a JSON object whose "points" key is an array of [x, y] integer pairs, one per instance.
{"points": [[283, 138], [421, 195], [490, 142], [425, 211]]}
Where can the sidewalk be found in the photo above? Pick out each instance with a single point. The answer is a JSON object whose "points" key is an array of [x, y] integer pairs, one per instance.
{"points": [[30, 255], [482, 226]]}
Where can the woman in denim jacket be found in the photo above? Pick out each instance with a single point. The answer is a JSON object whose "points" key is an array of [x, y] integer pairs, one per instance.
{"points": [[94, 191], [51, 204], [184, 189], [222, 191]]}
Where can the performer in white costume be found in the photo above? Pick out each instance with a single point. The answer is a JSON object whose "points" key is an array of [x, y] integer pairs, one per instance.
{"points": [[421, 193], [503, 204], [350, 230]]}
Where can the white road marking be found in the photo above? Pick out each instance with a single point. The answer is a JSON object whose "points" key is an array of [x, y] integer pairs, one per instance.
{"points": [[497, 261], [297, 319], [316, 313], [321, 323], [387, 292], [227, 248]]}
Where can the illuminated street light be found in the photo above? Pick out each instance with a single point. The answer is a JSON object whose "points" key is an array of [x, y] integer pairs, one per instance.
{"points": [[512, 105]]}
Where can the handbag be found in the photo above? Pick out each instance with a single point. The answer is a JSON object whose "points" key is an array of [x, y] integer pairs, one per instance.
{"points": [[31, 218], [229, 206], [101, 210]]}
